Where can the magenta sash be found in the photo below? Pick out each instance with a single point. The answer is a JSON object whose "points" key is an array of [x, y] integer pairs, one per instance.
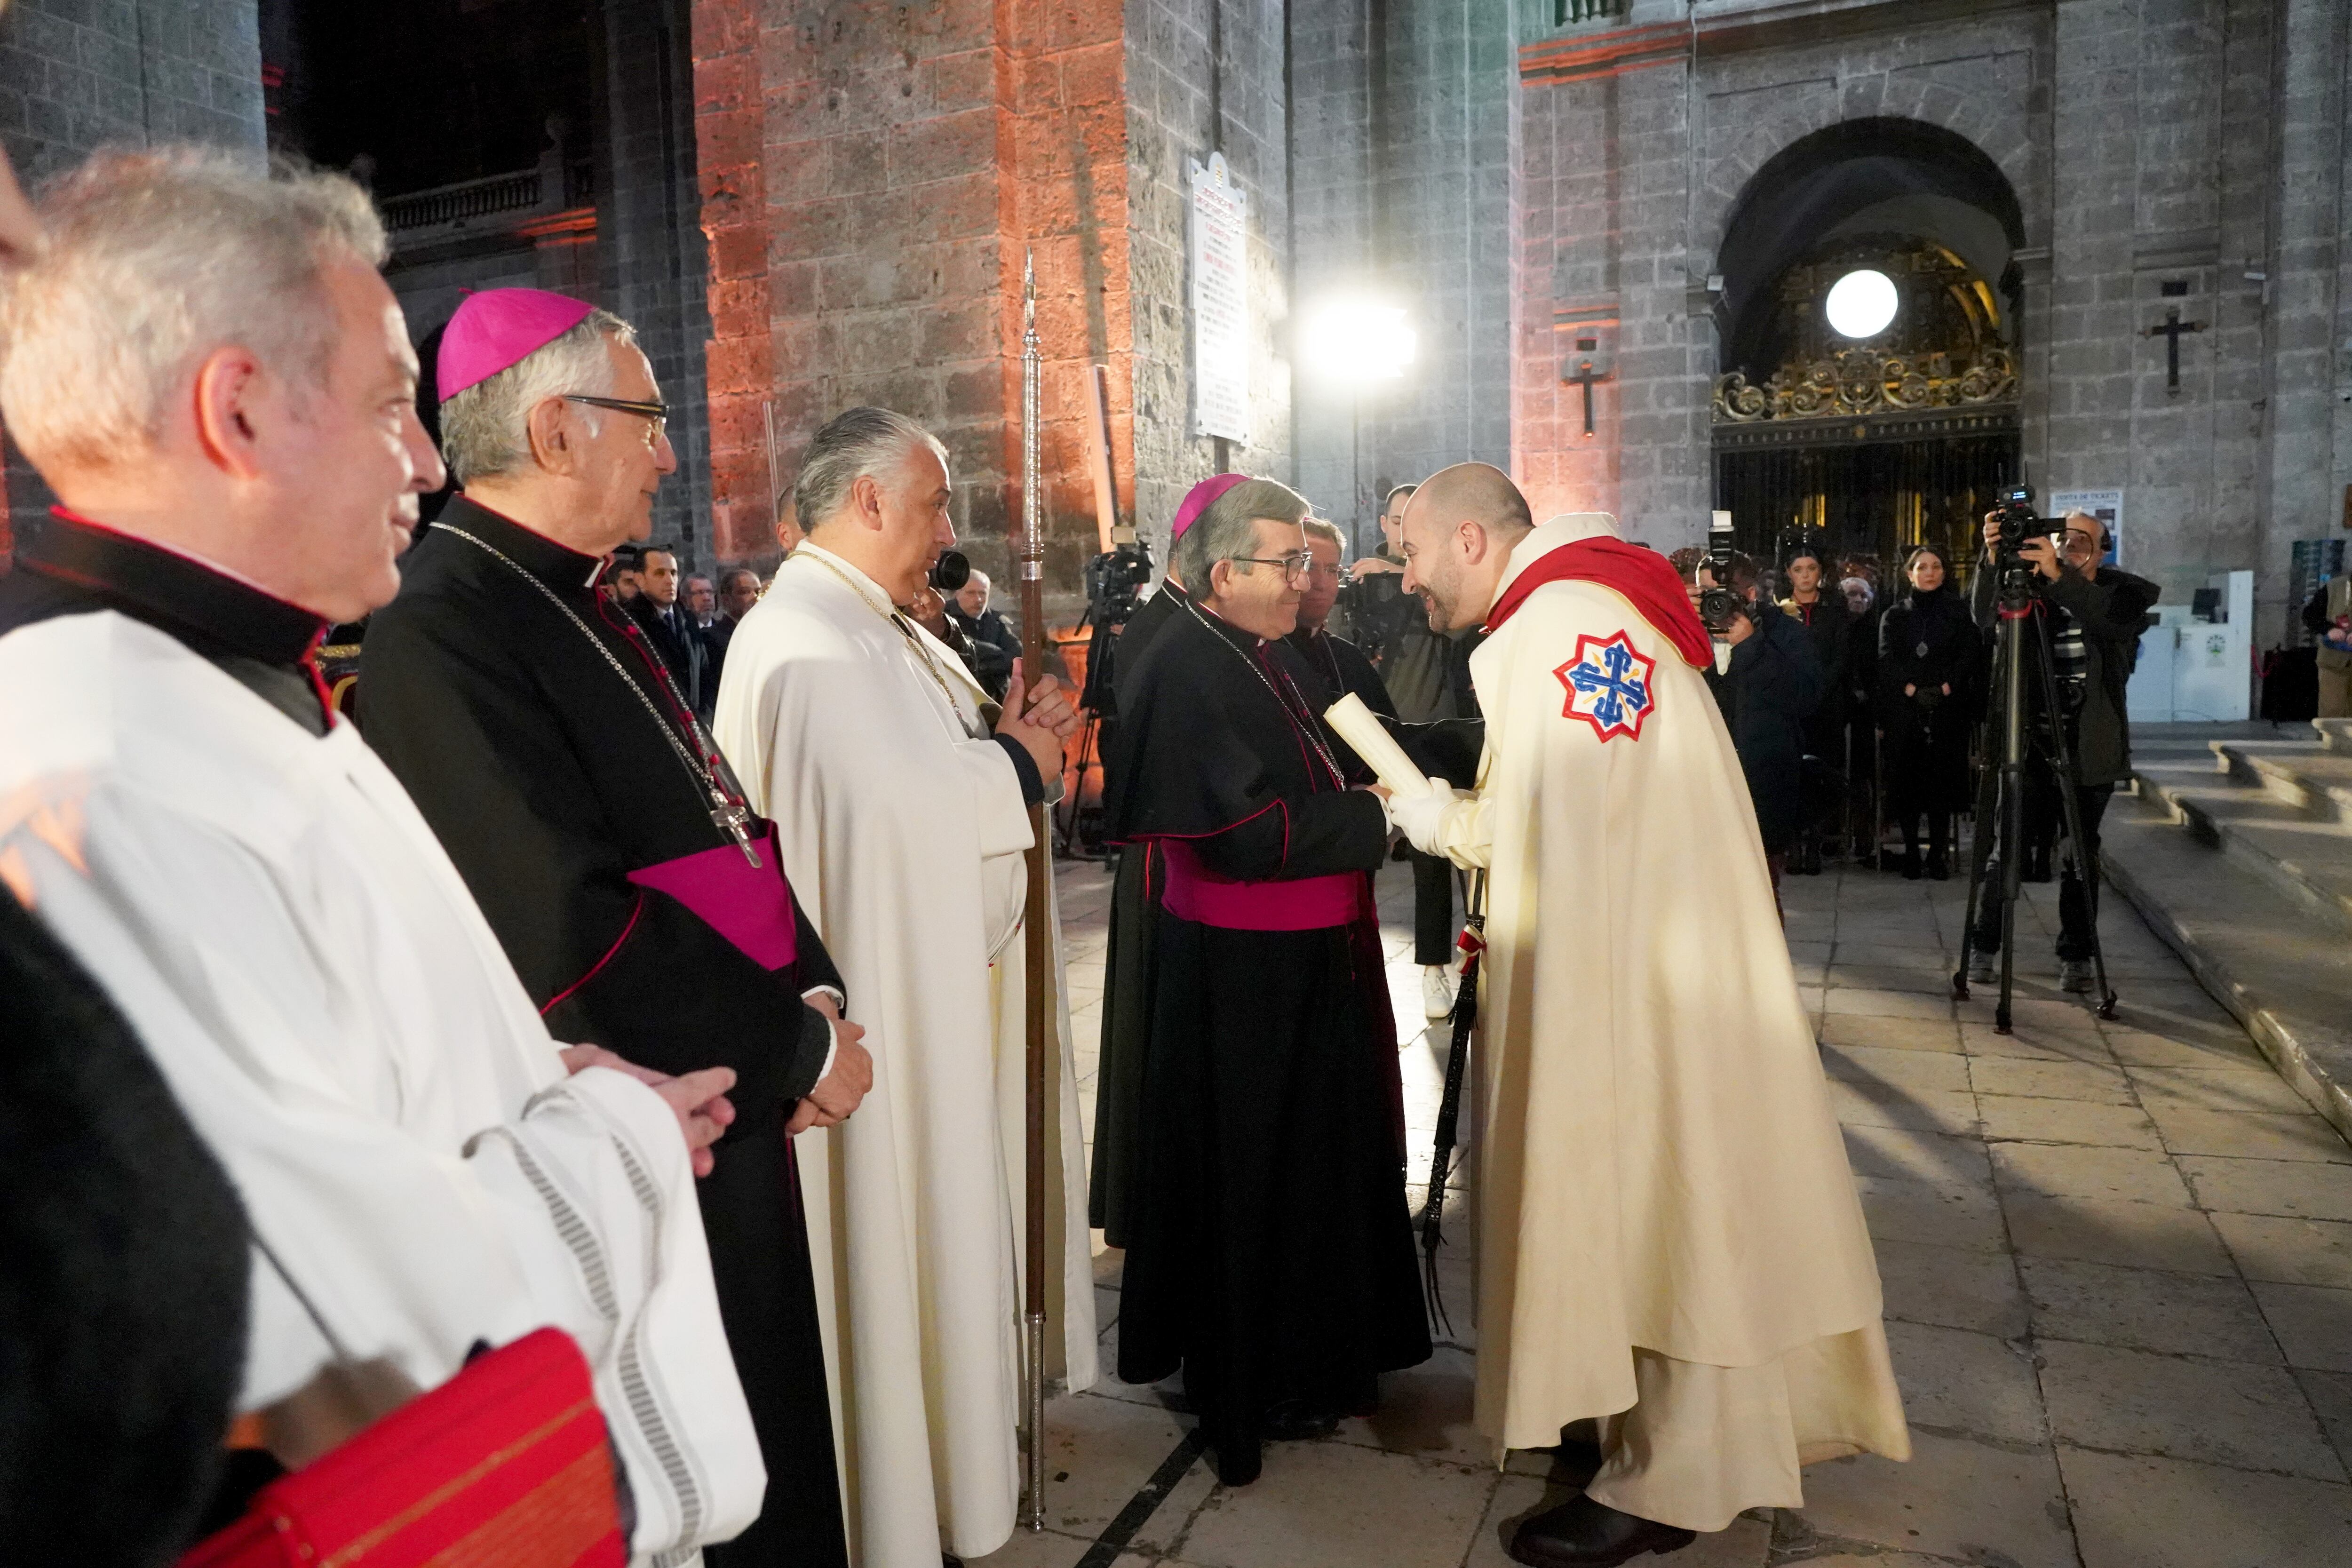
{"points": [[1196, 893], [751, 906]]}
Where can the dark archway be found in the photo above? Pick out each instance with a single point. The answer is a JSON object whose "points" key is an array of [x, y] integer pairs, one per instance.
{"points": [[1867, 445], [1855, 178]]}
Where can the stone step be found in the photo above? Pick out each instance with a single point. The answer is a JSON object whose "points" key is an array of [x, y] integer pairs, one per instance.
{"points": [[2284, 974], [2310, 779], [2335, 734], [2306, 860]]}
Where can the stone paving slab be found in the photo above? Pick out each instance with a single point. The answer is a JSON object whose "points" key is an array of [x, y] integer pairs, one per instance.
{"points": [[2117, 1261]]}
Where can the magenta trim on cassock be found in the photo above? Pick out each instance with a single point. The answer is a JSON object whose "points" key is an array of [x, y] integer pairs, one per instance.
{"points": [[1310, 903], [1198, 500], [496, 329], [751, 906]]}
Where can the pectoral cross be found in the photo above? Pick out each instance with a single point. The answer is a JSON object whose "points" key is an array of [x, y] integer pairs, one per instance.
{"points": [[2170, 332], [731, 818], [1584, 377]]}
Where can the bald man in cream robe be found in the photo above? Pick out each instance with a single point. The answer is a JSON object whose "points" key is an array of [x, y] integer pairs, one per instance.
{"points": [[1668, 1233], [903, 825]]}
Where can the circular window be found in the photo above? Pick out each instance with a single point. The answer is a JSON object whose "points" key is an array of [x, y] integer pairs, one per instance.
{"points": [[1861, 303]]}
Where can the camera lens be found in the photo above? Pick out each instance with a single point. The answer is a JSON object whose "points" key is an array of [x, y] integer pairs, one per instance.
{"points": [[951, 572]]}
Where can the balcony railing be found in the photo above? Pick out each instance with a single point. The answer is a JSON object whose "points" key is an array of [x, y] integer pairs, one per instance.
{"points": [[498, 201]]}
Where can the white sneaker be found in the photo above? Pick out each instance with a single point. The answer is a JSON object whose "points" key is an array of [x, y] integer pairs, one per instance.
{"points": [[1436, 991], [2075, 975], [1981, 966]]}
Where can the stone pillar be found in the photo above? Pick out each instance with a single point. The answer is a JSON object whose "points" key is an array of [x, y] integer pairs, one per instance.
{"points": [[649, 257], [871, 176], [2308, 428], [76, 75], [1205, 76], [1407, 150]]}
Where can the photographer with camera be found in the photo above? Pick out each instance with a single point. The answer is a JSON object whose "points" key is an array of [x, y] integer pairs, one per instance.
{"points": [[1927, 650], [2096, 614], [1768, 686]]}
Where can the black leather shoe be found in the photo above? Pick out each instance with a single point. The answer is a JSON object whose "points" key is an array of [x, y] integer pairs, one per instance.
{"points": [[1938, 868], [1582, 1533]]}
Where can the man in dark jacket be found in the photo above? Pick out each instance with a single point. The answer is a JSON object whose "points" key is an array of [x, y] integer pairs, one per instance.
{"points": [[1767, 690], [2095, 614]]}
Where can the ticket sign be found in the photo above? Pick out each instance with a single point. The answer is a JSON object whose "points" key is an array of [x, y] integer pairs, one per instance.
{"points": [[1220, 301]]}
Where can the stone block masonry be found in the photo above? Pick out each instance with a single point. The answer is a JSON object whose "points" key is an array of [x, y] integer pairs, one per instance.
{"points": [[77, 74], [872, 175]]}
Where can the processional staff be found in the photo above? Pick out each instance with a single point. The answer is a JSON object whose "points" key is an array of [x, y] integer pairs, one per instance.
{"points": [[1032, 557]]}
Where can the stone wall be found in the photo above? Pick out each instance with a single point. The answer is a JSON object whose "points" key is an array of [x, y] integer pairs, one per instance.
{"points": [[872, 175], [1407, 159], [650, 257], [2161, 151], [76, 75], [1202, 76]]}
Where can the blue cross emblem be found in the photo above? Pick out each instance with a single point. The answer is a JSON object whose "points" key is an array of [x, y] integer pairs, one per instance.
{"points": [[1609, 686]]}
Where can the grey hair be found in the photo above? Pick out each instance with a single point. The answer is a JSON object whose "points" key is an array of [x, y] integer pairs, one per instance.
{"points": [[1324, 529], [486, 428], [855, 445], [156, 259], [1228, 528]]}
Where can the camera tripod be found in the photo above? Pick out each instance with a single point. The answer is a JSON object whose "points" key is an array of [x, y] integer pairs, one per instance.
{"points": [[2001, 797]]}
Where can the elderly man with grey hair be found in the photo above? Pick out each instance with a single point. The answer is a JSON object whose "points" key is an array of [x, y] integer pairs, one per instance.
{"points": [[211, 373], [902, 799], [1269, 1254], [550, 746]]}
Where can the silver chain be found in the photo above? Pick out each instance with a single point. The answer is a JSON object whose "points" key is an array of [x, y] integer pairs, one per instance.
{"points": [[728, 813], [1313, 735]]}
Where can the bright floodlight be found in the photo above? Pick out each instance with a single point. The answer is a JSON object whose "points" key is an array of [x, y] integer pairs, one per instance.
{"points": [[1862, 303], [1356, 341]]}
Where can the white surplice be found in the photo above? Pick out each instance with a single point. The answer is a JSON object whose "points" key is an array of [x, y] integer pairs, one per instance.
{"points": [[328, 1004], [1665, 1220], [902, 828]]}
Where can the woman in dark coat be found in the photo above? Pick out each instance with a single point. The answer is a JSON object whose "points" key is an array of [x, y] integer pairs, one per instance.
{"points": [[1927, 648], [1816, 604]]}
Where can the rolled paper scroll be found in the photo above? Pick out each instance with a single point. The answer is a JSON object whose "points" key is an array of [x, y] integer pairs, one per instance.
{"points": [[1356, 724]]}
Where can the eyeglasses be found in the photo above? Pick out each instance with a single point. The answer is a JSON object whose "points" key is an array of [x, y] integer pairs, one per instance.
{"points": [[1297, 567], [657, 415], [1335, 572]]}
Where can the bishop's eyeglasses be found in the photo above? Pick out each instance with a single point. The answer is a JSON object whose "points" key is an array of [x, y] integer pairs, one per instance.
{"points": [[1297, 568], [655, 414]]}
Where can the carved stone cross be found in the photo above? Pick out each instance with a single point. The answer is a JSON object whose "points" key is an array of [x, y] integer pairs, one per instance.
{"points": [[2170, 332]]}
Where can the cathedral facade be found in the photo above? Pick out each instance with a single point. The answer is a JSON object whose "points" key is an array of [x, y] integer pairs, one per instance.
{"points": [[2117, 228], [2117, 233]]}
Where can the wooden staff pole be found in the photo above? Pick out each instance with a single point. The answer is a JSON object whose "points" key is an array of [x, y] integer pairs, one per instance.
{"points": [[1032, 556]]}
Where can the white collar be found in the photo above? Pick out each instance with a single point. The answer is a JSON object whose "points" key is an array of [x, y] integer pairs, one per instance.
{"points": [[1567, 528], [865, 586]]}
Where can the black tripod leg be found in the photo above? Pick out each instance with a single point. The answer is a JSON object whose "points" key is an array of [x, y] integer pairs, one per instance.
{"points": [[2086, 865], [2010, 666], [1979, 852]]}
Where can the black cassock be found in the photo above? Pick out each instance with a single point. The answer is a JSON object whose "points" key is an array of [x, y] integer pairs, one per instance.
{"points": [[1268, 1248], [1127, 955], [549, 782]]}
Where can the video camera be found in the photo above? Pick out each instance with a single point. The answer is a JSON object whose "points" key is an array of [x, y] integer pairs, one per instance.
{"points": [[2019, 522], [1720, 606], [1114, 580]]}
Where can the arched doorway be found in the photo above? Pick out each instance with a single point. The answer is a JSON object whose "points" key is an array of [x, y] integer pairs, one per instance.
{"points": [[1858, 437]]}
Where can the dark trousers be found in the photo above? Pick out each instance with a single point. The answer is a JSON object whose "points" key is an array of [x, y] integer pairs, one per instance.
{"points": [[1432, 909], [2077, 908]]}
